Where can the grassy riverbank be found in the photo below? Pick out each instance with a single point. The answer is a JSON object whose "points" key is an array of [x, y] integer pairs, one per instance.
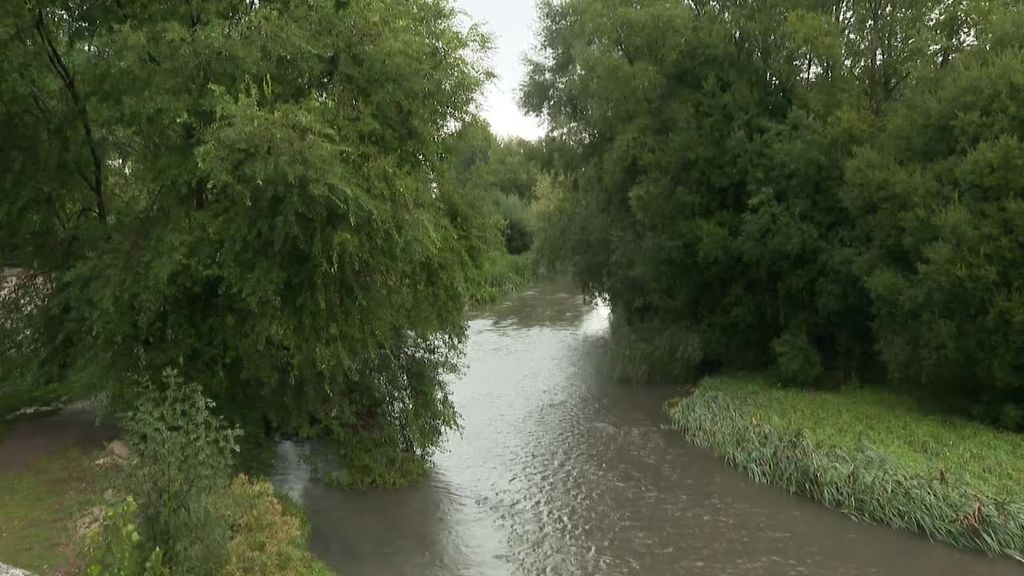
{"points": [[42, 506], [39, 506], [503, 274], [872, 454]]}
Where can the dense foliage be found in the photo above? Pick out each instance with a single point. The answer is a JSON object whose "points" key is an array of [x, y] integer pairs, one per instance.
{"points": [[502, 176], [177, 478], [269, 538], [952, 481], [181, 512], [118, 550], [938, 203], [251, 192], [832, 187]]}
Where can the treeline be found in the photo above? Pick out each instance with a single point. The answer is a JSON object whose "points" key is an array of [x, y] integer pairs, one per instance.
{"points": [[503, 175], [831, 187], [254, 194]]}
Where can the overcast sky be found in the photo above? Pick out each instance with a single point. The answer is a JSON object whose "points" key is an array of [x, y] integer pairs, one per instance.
{"points": [[511, 25]]}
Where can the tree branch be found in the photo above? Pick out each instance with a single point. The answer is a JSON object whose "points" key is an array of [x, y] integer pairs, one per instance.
{"points": [[63, 72]]}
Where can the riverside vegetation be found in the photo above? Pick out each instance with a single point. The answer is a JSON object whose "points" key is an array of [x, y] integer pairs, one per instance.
{"points": [[259, 195], [829, 188], [828, 192], [290, 204], [180, 512], [170, 506], [511, 173], [873, 455]]}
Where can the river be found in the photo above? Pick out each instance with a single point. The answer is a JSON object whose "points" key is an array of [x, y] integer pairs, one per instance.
{"points": [[562, 471]]}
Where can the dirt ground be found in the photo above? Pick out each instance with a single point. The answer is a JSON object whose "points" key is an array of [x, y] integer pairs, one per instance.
{"points": [[47, 479], [26, 442]]}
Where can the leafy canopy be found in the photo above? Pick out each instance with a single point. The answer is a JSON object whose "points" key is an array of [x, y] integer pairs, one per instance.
{"points": [[250, 192], [830, 187]]}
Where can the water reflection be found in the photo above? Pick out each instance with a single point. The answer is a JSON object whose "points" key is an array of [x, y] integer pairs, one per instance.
{"points": [[561, 471], [551, 306]]}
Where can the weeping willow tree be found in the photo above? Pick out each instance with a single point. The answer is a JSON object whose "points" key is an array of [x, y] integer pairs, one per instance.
{"points": [[250, 193]]}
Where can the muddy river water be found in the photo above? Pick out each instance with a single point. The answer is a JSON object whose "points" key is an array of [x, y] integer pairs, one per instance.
{"points": [[562, 471]]}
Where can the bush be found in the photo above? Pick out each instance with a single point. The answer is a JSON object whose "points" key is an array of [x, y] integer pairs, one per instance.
{"points": [[183, 516], [266, 539], [366, 462], [1008, 415], [518, 228], [502, 274], [119, 551], [646, 354], [796, 359], [180, 469]]}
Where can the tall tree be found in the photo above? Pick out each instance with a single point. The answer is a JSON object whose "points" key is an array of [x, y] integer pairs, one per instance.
{"points": [[690, 208], [938, 203], [249, 191], [759, 183]]}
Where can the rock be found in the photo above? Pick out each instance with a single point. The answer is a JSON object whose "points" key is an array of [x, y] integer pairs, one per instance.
{"points": [[120, 449], [6, 570], [107, 462], [91, 522]]}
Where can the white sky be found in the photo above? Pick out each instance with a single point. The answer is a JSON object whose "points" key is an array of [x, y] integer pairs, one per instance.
{"points": [[511, 25]]}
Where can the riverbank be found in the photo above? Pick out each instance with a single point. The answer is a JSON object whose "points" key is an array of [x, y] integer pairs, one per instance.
{"points": [[48, 480], [57, 482], [40, 505], [873, 455], [503, 274]]}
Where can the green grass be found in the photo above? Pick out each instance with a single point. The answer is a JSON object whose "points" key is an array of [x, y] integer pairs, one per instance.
{"points": [[39, 506], [872, 454], [501, 275], [983, 459]]}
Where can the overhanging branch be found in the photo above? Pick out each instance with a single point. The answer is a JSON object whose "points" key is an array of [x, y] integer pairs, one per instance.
{"points": [[67, 79]]}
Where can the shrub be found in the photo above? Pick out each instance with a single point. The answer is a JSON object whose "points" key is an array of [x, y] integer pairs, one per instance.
{"points": [[796, 359], [364, 463], [266, 539], [502, 274], [180, 469], [645, 354], [999, 413], [118, 549], [518, 228]]}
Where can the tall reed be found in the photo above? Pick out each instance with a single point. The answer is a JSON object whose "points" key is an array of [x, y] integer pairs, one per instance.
{"points": [[860, 481]]}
